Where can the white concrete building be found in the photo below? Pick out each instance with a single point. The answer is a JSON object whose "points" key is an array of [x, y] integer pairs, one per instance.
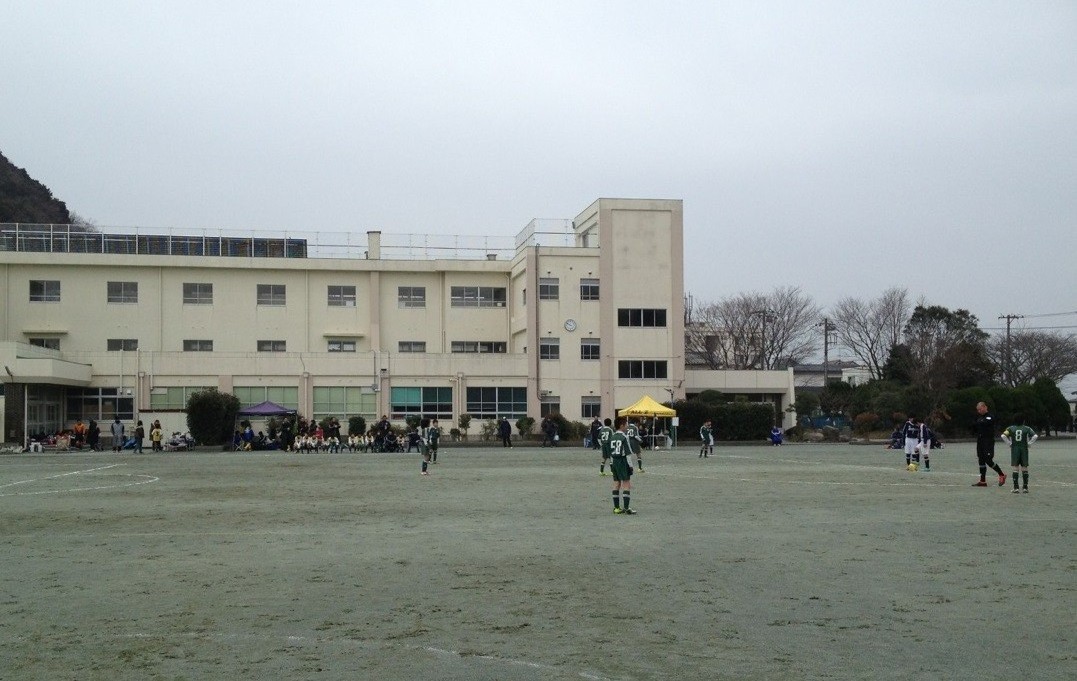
{"points": [[578, 317]]}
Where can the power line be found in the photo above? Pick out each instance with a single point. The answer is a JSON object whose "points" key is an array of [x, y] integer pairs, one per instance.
{"points": [[1050, 314], [1027, 328]]}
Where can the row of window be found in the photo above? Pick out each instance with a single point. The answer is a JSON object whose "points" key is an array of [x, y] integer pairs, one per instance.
{"points": [[195, 293], [549, 348]]}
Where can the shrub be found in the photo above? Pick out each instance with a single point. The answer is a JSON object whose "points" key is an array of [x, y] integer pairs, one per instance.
{"points": [[794, 434], [357, 425], [866, 422], [465, 423], [454, 433], [211, 416], [564, 428], [489, 430], [525, 425]]}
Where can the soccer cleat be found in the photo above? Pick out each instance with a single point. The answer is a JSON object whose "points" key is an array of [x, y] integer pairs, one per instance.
{"points": [[629, 511], [1025, 490], [603, 473], [425, 473], [640, 470], [979, 484], [618, 510], [1016, 491], [1001, 479]]}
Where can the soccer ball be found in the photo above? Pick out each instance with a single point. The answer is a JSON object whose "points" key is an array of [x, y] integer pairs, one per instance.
{"points": [[912, 467]]}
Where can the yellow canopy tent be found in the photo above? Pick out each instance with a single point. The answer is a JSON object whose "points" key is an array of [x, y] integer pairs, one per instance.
{"points": [[646, 406]]}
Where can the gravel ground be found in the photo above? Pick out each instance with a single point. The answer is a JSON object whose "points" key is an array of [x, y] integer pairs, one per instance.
{"points": [[799, 562]]}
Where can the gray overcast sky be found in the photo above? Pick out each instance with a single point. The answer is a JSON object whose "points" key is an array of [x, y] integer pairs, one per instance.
{"points": [[843, 147]]}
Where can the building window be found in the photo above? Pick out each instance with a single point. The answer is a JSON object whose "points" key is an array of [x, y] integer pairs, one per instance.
{"points": [[477, 296], [117, 344], [123, 291], [50, 343], [550, 404], [343, 402], [590, 348], [549, 348], [493, 403], [44, 291], [173, 397], [198, 346], [645, 317], [549, 288], [198, 294], [272, 346], [479, 346], [285, 396], [341, 346], [341, 296], [588, 289], [641, 369], [590, 407], [100, 404], [271, 294], [411, 346], [434, 403], [411, 296]]}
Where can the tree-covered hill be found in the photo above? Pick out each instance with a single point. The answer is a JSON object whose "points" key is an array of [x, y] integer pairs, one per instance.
{"points": [[24, 199]]}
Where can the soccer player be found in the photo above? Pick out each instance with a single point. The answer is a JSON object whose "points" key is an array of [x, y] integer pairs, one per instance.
{"points": [[913, 436], [433, 434], [605, 435], [635, 441], [925, 445], [706, 436], [985, 445], [621, 467], [424, 448], [1019, 437]]}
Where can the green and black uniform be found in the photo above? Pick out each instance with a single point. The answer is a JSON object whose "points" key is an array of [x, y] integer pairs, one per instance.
{"points": [[432, 435], [605, 434], [706, 435], [634, 440], [1019, 438]]}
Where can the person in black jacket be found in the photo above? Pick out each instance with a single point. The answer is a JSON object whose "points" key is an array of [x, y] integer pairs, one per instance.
{"points": [[985, 445], [504, 429]]}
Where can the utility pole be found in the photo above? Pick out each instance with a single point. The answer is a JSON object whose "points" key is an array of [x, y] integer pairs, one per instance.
{"points": [[763, 337], [827, 328], [1008, 374]]}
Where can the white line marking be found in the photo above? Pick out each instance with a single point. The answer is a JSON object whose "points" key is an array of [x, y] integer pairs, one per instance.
{"points": [[63, 475], [148, 479]]}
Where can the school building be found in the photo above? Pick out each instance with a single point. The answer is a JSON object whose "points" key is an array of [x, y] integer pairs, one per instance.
{"points": [[578, 316]]}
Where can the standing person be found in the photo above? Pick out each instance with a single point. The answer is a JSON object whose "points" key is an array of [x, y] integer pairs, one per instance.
{"points": [[605, 437], [504, 429], [596, 426], [93, 436], [117, 435], [706, 437], [433, 435], [913, 436], [140, 435], [636, 442], [1019, 437], [156, 435], [424, 448], [925, 445], [621, 467], [985, 445]]}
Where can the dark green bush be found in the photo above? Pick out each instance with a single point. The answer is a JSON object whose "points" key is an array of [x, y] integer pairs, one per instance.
{"points": [[211, 416], [356, 425]]}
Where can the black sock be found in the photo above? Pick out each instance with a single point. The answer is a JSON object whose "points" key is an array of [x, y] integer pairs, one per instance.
{"points": [[616, 500], [639, 463], [983, 473], [601, 467], [1023, 475], [927, 462], [1015, 479], [424, 465], [627, 496]]}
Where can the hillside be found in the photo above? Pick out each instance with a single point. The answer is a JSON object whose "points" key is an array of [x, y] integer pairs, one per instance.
{"points": [[24, 199]]}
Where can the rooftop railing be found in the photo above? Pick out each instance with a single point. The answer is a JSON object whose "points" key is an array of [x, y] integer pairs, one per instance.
{"points": [[51, 238]]}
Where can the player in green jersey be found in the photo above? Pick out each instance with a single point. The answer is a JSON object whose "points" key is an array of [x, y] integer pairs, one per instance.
{"points": [[632, 431], [1019, 437], [605, 435], [621, 467], [706, 436]]}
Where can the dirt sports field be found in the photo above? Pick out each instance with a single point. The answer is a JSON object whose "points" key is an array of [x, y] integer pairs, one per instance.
{"points": [[799, 562]]}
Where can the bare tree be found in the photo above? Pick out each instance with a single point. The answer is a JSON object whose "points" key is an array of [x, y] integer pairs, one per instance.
{"points": [[1035, 354], [870, 328], [754, 330]]}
